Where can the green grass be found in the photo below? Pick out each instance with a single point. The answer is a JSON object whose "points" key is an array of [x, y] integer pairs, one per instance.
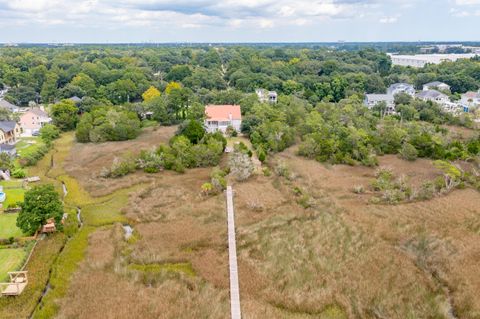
{"points": [[11, 259], [13, 183], [38, 272], [183, 267], [24, 148], [8, 226], [14, 196]]}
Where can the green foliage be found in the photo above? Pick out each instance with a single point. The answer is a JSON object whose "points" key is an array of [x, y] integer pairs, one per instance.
{"points": [[41, 203], [31, 158], [240, 164], [6, 161], [49, 132], [19, 173], [108, 124], [193, 130], [64, 115], [408, 152]]}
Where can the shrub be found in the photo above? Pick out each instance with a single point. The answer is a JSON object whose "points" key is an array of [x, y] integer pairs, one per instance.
{"points": [[262, 156], [408, 152], [359, 189], [49, 132], [122, 167], [241, 166], [19, 173], [218, 180], [193, 130], [207, 189]]}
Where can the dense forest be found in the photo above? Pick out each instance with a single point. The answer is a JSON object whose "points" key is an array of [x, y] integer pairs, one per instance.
{"points": [[320, 96]]}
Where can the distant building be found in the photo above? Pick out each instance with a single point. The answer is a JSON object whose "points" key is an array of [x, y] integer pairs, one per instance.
{"points": [[33, 120], [401, 88], [75, 99], [433, 95], [436, 85], [9, 132], [372, 100], [220, 117], [455, 108], [9, 106], [266, 96], [9, 149], [471, 99], [420, 60]]}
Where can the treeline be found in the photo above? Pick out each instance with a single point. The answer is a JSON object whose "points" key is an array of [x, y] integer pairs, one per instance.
{"points": [[122, 75]]}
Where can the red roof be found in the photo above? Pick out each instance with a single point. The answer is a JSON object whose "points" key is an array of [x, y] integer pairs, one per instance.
{"points": [[223, 112]]}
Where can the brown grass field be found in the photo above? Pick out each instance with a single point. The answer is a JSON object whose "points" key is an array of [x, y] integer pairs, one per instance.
{"points": [[308, 247]]}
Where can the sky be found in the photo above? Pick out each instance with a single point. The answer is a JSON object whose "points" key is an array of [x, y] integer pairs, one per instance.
{"points": [[136, 21]]}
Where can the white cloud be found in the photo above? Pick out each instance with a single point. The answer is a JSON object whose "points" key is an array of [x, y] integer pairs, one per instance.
{"points": [[386, 20]]}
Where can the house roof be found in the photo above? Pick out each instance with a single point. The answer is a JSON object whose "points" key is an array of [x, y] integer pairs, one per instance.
{"points": [[434, 83], [38, 112], [223, 112], [430, 94], [7, 105], [380, 97], [6, 147], [7, 126], [400, 85], [471, 95], [75, 99]]}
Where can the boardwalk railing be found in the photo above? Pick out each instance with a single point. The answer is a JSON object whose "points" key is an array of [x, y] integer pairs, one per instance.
{"points": [[232, 257]]}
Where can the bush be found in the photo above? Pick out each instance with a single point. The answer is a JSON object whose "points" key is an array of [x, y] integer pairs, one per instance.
{"points": [[33, 157], [193, 130], [262, 156], [49, 132], [121, 167], [207, 188], [408, 152], [241, 166], [218, 180], [19, 173]]}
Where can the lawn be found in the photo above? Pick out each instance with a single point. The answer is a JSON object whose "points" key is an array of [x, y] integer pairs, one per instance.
{"points": [[10, 260], [14, 191], [8, 227], [28, 145]]}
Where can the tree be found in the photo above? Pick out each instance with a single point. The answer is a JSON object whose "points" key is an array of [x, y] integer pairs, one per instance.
{"points": [[64, 115], [408, 152], [85, 82], [49, 132], [150, 94], [6, 161], [178, 73], [193, 130], [49, 87], [172, 86], [41, 203]]}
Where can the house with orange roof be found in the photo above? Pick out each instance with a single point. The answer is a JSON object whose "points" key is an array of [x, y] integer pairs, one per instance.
{"points": [[220, 117]]}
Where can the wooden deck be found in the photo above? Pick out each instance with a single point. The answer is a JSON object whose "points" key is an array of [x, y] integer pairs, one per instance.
{"points": [[18, 282], [232, 256]]}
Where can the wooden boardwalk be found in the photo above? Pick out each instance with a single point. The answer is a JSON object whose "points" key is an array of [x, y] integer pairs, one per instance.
{"points": [[232, 256]]}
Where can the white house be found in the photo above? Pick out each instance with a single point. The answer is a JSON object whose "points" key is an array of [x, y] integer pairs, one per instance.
{"points": [[373, 99], [471, 99], [401, 88], [266, 96], [434, 96], [220, 117], [33, 120], [436, 85]]}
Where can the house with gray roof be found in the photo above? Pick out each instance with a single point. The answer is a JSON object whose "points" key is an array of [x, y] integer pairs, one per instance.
{"points": [[433, 95], [9, 106], [401, 88], [436, 85]]}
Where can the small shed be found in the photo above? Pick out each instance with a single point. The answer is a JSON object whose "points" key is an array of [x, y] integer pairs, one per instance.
{"points": [[49, 227]]}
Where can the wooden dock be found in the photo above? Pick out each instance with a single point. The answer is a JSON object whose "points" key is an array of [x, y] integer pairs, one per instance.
{"points": [[232, 256]]}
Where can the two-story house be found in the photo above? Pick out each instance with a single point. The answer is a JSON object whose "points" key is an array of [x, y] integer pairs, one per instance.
{"points": [[9, 132], [33, 120], [220, 117]]}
